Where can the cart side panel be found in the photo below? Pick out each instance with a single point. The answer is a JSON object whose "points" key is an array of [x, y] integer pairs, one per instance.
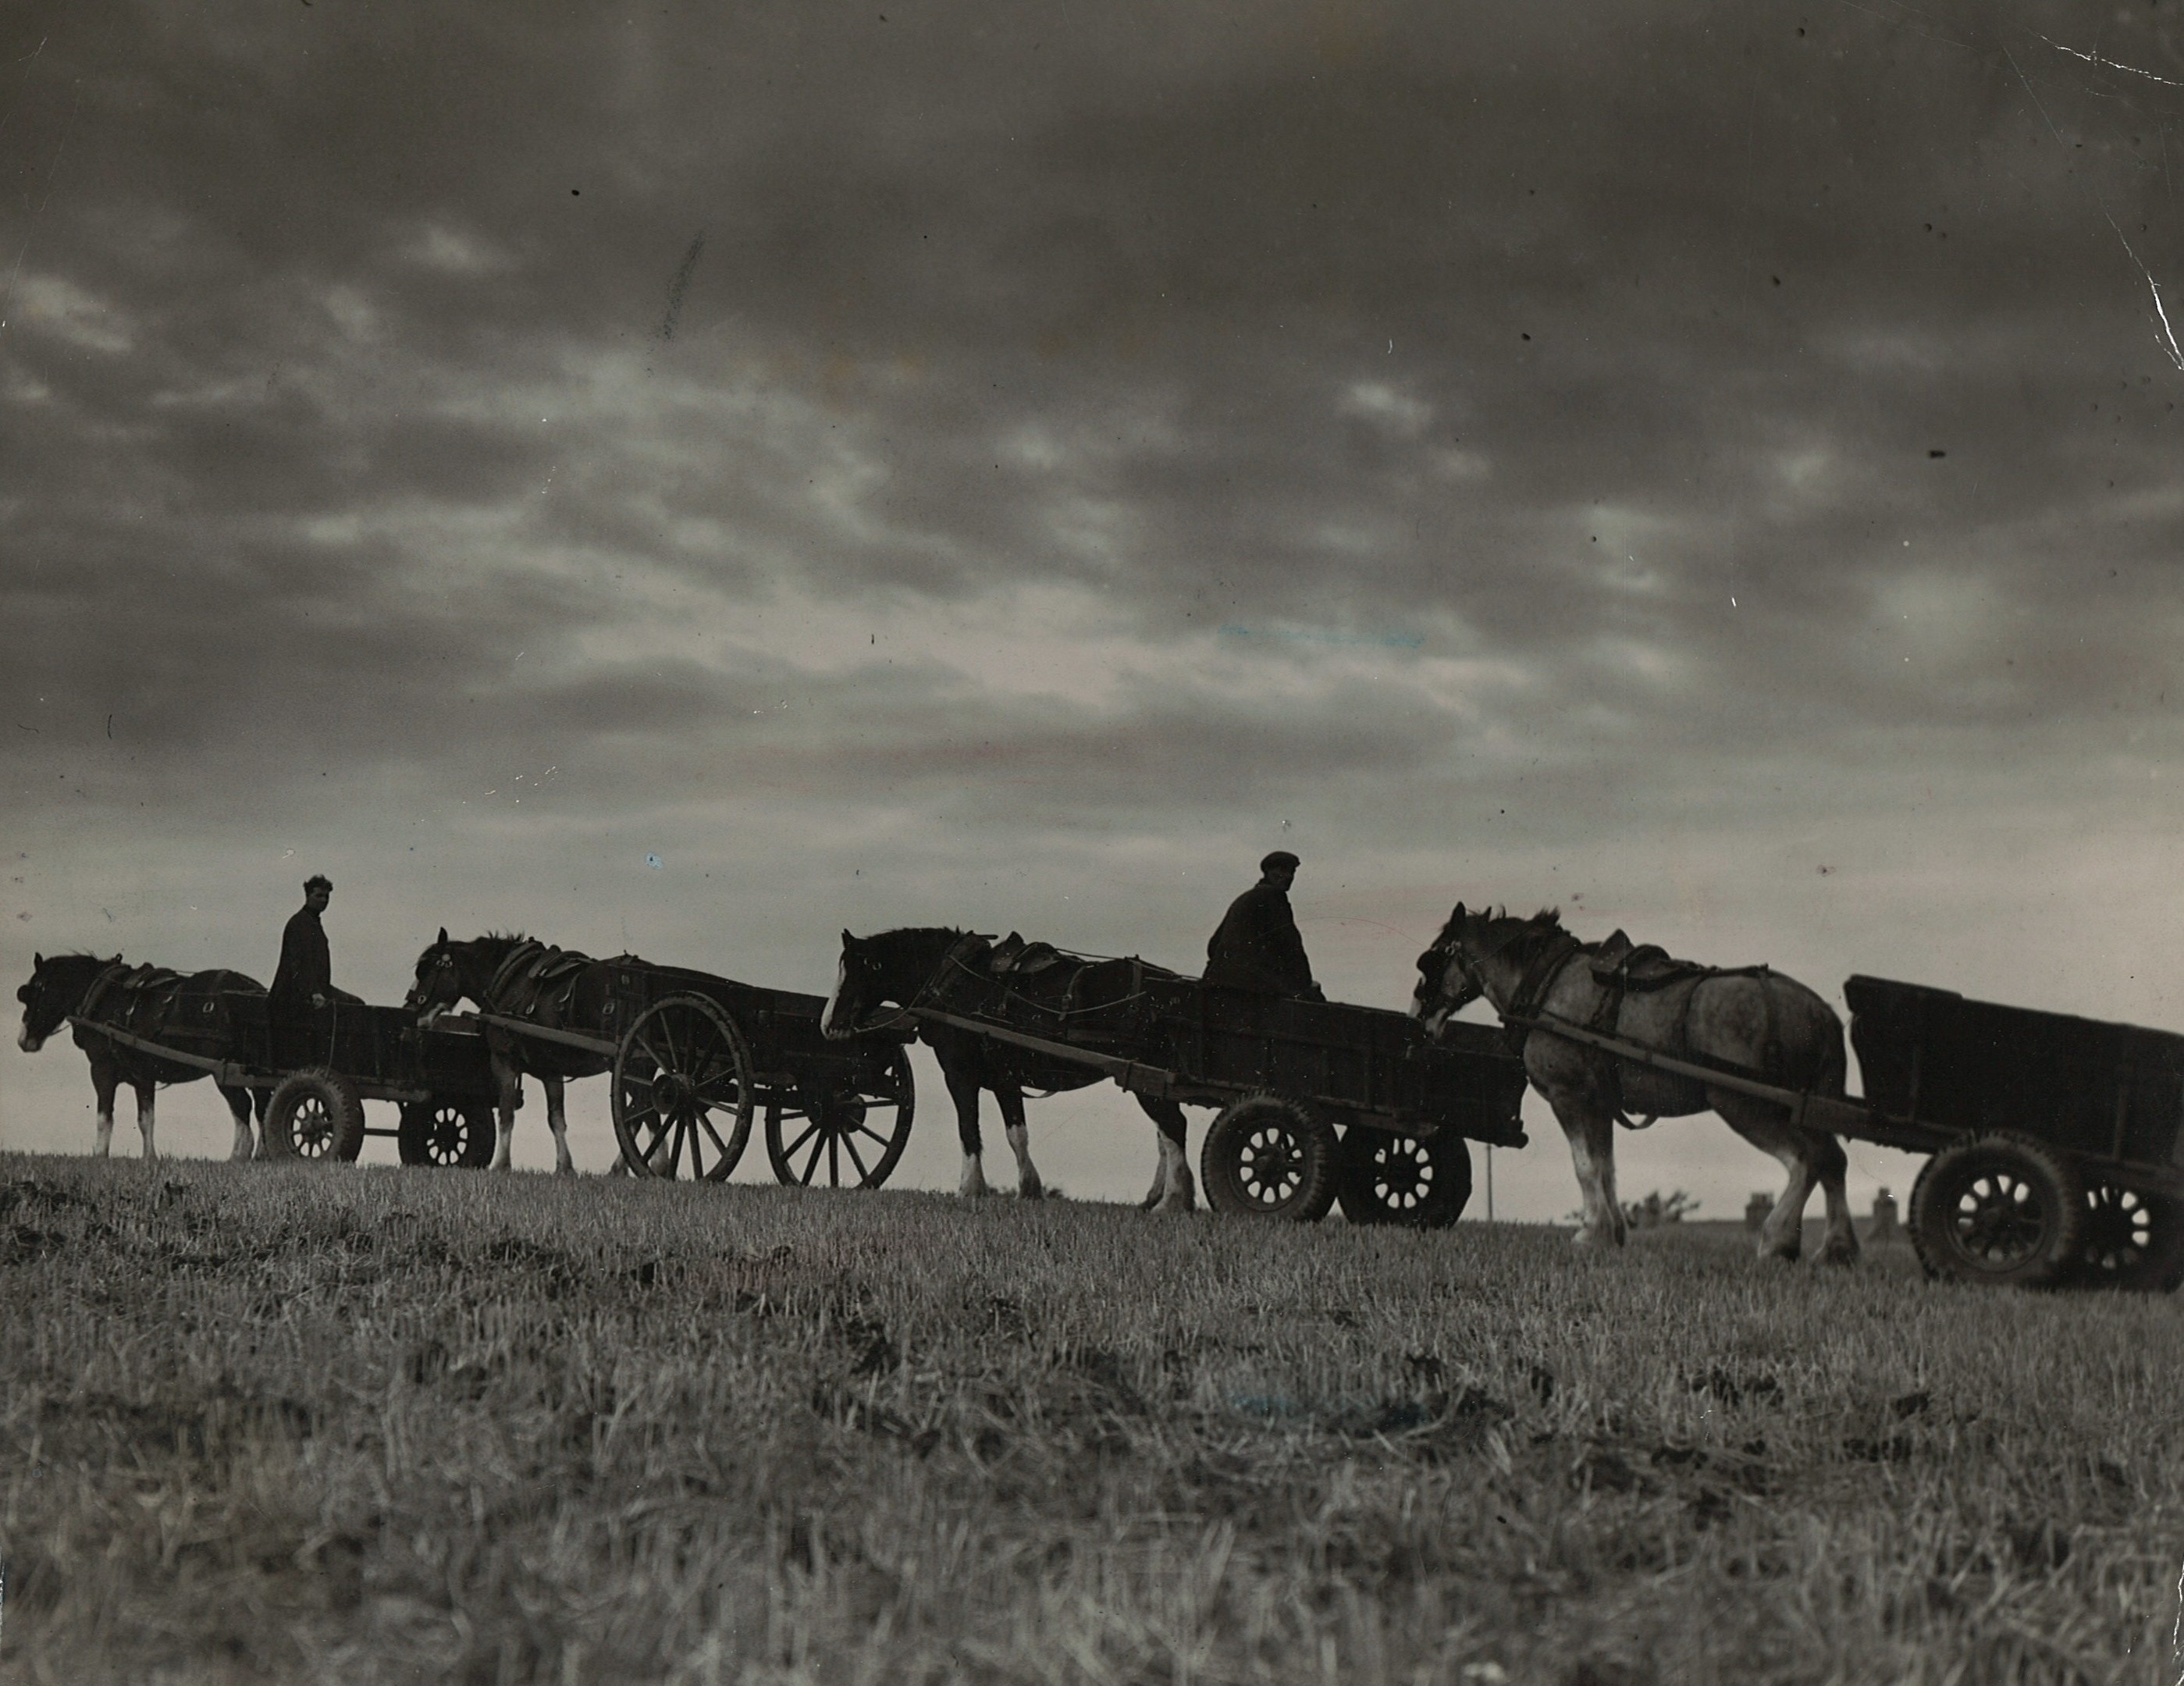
{"points": [[1368, 1057], [2086, 1086], [451, 1061]]}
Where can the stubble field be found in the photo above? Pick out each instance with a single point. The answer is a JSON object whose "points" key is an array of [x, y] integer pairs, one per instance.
{"points": [[299, 1423]]}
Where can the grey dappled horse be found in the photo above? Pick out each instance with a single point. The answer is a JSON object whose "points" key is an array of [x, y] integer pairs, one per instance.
{"points": [[1766, 1025]]}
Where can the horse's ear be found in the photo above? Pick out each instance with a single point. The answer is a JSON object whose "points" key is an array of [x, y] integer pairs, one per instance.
{"points": [[37, 960], [443, 936]]}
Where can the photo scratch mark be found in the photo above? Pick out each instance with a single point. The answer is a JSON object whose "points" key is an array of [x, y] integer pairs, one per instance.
{"points": [[679, 286], [2167, 333], [2110, 64], [2169, 337]]}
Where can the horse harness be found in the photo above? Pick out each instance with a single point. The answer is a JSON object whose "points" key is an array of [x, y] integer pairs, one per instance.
{"points": [[535, 982], [1619, 969]]}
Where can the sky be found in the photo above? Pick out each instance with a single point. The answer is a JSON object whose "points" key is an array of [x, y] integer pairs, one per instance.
{"points": [[689, 479]]}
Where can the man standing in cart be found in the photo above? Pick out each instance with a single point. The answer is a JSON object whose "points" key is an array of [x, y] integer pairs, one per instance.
{"points": [[1257, 947], [304, 977]]}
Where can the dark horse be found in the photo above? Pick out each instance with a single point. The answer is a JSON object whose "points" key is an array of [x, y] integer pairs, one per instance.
{"points": [[187, 1013], [1751, 1021], [921, 963], [520, 978]]}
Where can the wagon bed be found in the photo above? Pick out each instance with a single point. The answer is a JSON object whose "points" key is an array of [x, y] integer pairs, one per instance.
{"points": [[1319, 1100], [696, 1058], [2056, 1143], [312, 1071]]}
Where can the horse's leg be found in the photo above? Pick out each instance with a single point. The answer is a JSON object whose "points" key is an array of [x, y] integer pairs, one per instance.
{"points": [[259, 1097], [148, 1093], [558, 1123], [963, 1090], [238, 1104], [1590, 1128], [1829, 1163], [1011, 1101], [1174, 1188], [105, 1080], [1767, 1127], [510, 1076]]}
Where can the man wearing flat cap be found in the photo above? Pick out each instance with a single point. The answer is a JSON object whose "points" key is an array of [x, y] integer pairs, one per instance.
{"points": [[1257, 947], [304, 977]]}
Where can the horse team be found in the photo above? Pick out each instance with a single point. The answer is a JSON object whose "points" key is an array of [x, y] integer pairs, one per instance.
{"points": [[1752, 1021]]}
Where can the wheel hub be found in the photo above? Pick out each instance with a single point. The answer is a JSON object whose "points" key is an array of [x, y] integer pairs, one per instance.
{"points": [[675, 1094]]}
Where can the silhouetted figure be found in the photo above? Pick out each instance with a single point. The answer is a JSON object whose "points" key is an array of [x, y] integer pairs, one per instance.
{"points": [[1885, 1226], [1755, 1211], [304, 977], [1257, 947]]}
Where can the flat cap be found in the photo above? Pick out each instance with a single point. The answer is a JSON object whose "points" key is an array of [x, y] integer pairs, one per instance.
{"points": [[318, 881], [1280, 857]]}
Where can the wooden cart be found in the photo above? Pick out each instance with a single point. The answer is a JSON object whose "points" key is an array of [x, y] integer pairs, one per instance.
{"points": [[311, 1076], [695, 1058], [2056, 1143], [1320, 1101]]}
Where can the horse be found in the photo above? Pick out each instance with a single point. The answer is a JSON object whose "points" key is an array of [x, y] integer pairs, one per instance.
{"points": [[902, 966], [1752, 1022], [185, 1012], [519, 977]]}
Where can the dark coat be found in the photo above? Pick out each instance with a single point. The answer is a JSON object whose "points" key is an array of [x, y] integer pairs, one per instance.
{"points": [[306, 967], [1257, 946]]}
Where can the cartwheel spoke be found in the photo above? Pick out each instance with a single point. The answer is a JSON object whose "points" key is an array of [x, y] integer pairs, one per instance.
{"points": [[731, 1097], [867, 1129], [850, 1146], [811, 1166], [706, 1119], [667, 1023], [833, 1161], [644, 1041], [789, 1152]]}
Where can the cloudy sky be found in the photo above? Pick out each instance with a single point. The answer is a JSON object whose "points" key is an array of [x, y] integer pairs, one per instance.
{"points": [[690, 478]]}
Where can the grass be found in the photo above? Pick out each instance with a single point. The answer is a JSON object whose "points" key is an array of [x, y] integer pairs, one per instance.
{"points": [[304, 1423]]}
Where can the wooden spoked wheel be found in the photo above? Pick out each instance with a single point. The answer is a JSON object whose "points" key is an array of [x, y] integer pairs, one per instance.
{"points": [[2134, 1239], [683, 1091], [2005, 1210], [1423, 1182], [1269, 1156], [849, 1138]]}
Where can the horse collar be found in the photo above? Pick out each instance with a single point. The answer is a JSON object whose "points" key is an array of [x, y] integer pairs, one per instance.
{"points": [[518, 957], [1533, 986]]}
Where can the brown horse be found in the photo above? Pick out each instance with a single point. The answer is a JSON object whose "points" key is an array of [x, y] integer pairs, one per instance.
{"points": [[1750, 1022], [194, 1014], [935, 966], [520, 978]]}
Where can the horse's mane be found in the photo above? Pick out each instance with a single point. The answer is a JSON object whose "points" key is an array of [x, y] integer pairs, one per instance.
{"points": [[1547, 919]]}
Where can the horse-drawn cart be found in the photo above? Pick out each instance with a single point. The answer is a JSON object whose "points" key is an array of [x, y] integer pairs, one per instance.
{"points": [[694, 1057], [1320, 1101], [2056, 1143], [312, 1073]]}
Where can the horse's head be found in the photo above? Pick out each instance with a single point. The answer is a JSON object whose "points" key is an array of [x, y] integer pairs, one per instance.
{"points": [[1478, 953], [438, 984], [861, 985], [56, 989], [1448, 984], [892, 966]]}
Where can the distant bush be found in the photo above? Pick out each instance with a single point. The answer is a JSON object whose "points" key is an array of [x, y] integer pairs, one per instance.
{"points": [[1655, 1208]]}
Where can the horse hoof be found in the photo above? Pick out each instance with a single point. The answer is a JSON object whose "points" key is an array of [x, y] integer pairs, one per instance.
{"points": [[1839, 1254]]}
